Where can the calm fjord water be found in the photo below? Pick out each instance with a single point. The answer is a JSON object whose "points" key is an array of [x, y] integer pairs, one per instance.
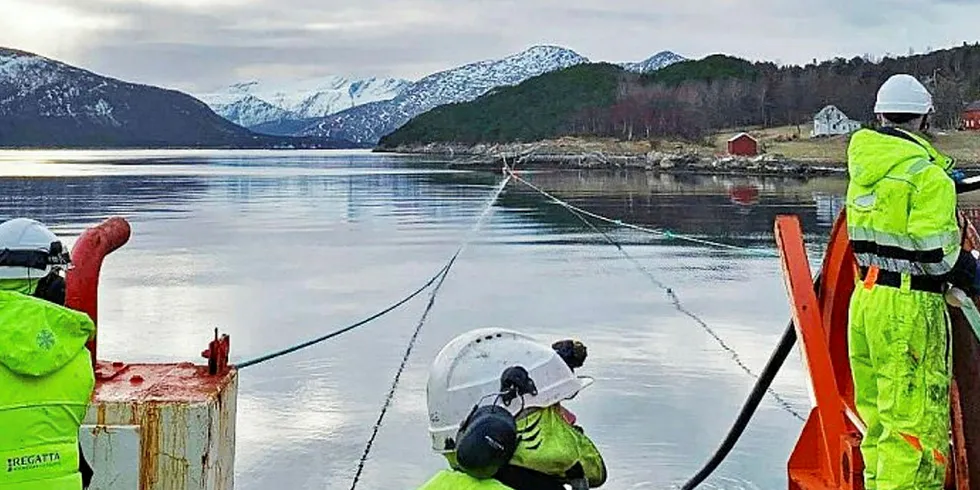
{"points": [[278, 247]]}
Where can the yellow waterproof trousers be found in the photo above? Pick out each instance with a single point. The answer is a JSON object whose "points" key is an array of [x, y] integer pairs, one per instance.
{"points": [[899, 352]]}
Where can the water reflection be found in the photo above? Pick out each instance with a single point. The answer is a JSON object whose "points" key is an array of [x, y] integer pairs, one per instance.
{"points": [[77, 202], [277, 249], [737, 210], [829, 207]]}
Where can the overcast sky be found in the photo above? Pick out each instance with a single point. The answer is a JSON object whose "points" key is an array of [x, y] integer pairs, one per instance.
{"points": [[196, 45]]}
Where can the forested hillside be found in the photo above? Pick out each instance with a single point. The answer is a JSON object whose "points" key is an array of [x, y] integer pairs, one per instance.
{"points": [[538, 108], [691, 98]]}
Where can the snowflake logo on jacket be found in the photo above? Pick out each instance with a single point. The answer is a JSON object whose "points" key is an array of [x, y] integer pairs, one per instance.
{"points": [[45, 339]]}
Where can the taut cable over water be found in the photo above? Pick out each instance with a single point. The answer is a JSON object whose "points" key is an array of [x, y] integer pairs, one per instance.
{"points": [[418, 328], [268, 357], [674, 299]]}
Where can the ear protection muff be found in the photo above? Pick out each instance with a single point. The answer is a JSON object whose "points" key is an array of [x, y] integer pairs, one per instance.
{"points": [[51, 288], [487, 439], [487, 442]]}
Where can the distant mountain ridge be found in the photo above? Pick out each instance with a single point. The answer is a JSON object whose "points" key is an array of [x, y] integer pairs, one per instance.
{"points": [[47, 103], [253, 103], [654, 63], [368, 123]]}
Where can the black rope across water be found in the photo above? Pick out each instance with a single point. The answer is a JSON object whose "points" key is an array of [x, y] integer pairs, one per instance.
{"points": [[418, 328], [268, 357], [675, 300], [432, 280], [779, 399], [394, 384]]}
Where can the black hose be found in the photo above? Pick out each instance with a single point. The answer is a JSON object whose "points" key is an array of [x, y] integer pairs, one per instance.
{"points": [[749, 408], [751, 404]]}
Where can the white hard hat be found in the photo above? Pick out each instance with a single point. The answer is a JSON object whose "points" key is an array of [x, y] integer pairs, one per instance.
{"points": [[468, 370], [903, 94], [28, 249]]}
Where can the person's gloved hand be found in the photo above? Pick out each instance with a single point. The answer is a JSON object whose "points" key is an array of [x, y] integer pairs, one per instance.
{"points": [[957, 176], [966, 272], [572, 352]]}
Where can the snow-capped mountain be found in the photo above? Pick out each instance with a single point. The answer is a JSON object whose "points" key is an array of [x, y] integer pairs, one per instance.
{"points": [[248, 110], [369, 122], [46, 103], [654, 63], [255, 103]]}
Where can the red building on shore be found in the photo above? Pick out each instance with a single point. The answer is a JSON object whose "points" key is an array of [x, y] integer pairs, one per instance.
{"points": [[971, 116], [743, 144]]}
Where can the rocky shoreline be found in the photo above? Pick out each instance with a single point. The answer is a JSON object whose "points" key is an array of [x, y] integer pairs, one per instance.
{"points": [[553, 156]]}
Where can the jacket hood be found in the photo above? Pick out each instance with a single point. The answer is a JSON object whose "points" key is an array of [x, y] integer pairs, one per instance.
{"points": [[871, 155], [38, 337]]}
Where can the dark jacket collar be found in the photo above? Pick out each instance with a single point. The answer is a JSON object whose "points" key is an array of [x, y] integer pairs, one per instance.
{"points": [[520, 478]]}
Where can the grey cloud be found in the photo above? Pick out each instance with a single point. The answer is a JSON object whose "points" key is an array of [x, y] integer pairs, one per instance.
{"points": [[203, 67], [199, 50], [649, 19], [197, 45]]}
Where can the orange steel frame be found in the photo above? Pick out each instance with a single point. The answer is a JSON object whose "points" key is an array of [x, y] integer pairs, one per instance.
{"points": [[827, 454]]}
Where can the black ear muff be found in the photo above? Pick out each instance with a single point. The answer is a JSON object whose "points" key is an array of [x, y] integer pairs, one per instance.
{"points": [[51, 288], [487, 439], [486, 442]]}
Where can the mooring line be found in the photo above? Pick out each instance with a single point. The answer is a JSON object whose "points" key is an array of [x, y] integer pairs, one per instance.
{"points": [[418, 328], [661, 232], [309, 343], [675, 300], [432, 280]]}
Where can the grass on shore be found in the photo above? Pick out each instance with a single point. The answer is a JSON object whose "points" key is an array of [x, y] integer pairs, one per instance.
{"points": [[792, 142], [795, 143]]}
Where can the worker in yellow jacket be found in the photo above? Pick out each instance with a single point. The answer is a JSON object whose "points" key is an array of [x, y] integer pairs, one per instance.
{"points": [[901, 220], [46, 376], [494, 401]]}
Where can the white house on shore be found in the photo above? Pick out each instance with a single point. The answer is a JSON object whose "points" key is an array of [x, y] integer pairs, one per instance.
{"points": [[832, 121]]}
